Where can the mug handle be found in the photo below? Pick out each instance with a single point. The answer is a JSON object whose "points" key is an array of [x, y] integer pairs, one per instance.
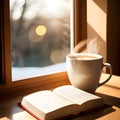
{"points": [[110, 68]]}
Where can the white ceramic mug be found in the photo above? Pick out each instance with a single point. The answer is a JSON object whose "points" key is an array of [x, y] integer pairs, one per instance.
{"points": [[84, 70]]}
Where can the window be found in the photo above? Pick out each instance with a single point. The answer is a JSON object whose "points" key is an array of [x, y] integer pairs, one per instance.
{"points": [[42, 82], [40, 35]]}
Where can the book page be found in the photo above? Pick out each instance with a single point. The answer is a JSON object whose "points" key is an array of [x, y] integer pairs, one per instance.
{"points": [[45, 104], [47, 101], [75, 95]]}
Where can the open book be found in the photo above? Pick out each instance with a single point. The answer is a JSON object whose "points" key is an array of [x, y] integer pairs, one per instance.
{"points": [[62, 101]]}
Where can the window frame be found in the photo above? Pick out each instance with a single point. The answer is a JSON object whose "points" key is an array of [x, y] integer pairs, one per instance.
{"points": [[37, 83]]}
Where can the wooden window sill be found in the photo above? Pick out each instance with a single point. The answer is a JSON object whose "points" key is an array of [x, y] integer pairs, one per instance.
{"points": [[27, 86]]}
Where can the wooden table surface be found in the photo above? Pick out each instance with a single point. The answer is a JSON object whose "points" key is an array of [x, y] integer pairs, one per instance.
{"points": [[110, 92]]}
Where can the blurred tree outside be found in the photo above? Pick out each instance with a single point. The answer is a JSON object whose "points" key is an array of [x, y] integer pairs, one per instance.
{"points": [[40, 32]]}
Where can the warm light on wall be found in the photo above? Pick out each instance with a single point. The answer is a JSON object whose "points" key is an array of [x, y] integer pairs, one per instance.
{"points": [[96, 26], [96, 18]]}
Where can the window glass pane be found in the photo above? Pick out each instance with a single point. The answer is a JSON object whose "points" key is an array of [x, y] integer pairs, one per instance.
{"points": [[40, 35]]}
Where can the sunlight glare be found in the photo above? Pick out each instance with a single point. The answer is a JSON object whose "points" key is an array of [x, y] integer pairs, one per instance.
{"points": [[58, 56], [41, 30], [46, 8], [54, 8]]}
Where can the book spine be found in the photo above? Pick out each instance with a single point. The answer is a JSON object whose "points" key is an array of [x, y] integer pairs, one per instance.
{"points": [[30, 112]]}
